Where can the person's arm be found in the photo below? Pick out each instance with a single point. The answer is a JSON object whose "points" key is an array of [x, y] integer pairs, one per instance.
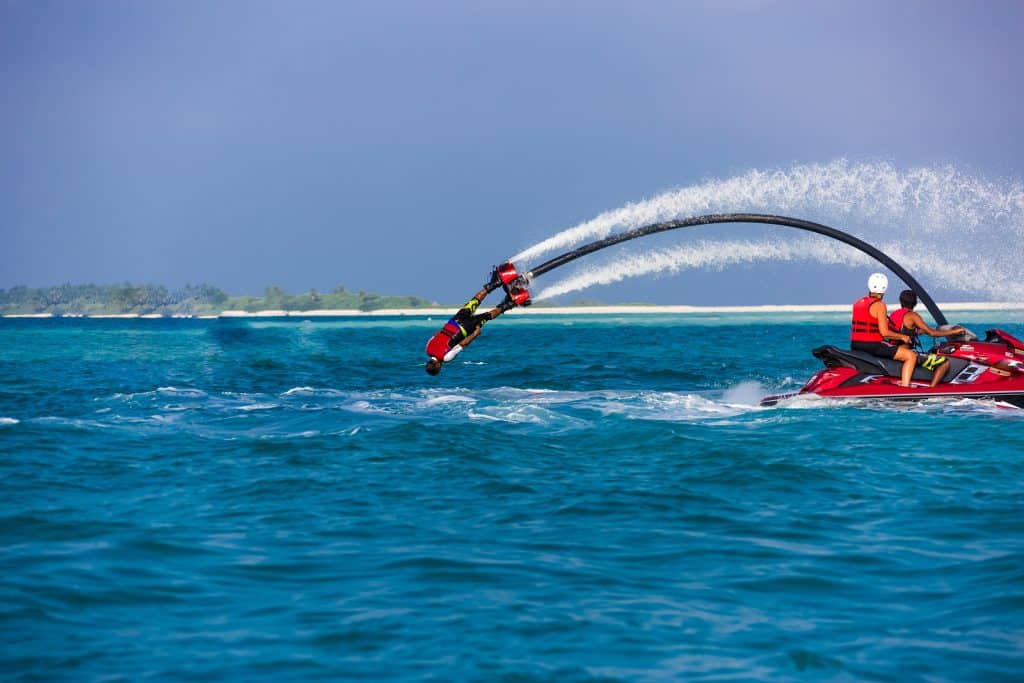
{"points": [[483, 317], [489, 315], [883, 323], [452, 352], [469, 340], [918, 323], [457, 349]]}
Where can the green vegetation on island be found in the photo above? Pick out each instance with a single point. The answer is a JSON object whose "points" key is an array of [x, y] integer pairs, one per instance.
{"points": [[204, 299]]}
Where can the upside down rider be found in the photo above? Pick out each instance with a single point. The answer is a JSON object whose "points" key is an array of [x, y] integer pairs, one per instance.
{"points": [[466, 325]]}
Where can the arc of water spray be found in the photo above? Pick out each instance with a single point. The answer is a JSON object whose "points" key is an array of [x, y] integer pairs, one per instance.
{"points": [[764, 219], [718, 254], [960, 228], [920, 200], [703, 254]]}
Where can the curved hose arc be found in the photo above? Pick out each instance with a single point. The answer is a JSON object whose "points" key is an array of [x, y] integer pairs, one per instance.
{"points": [[766, 219]]}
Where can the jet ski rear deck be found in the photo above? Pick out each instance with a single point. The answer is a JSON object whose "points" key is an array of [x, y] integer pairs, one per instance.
{"points": [[992, 369]]}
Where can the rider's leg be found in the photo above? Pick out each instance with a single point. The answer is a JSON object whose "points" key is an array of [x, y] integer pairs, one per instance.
{"points": [[909, 358], [940, 372]]}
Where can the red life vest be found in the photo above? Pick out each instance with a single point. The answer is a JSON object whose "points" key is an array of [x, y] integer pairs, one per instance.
{"points": [[864, 326], [450, 335], [896, 319], [439, 344]]}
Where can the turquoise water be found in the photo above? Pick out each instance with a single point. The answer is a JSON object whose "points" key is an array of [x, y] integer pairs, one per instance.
{"points": [[592, 499]]}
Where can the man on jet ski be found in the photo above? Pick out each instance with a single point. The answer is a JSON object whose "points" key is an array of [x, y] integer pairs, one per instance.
{"points": [[465, 326], [870, 329], [905, 321]]}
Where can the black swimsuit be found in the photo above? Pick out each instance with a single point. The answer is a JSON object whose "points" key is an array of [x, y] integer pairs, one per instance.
{"points": [[466, 321], [880, 349]]}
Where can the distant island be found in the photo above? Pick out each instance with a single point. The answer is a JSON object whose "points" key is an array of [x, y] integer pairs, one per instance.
{"points": [[206, 301], [190, 300]]}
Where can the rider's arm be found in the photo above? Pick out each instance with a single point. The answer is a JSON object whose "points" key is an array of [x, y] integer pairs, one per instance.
{"points": [[457, 349], [883, 323], [469, 340], [917, 322]]}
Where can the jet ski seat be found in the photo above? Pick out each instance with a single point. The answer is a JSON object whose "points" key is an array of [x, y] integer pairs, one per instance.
{"points": [[868, 364]]}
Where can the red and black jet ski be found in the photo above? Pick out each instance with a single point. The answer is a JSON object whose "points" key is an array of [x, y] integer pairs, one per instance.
{"points": [[992, 369]]}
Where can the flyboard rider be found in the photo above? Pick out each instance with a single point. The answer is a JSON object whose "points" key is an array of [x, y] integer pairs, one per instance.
{"points": [[870, 331], [910, 323], [466, 325]]}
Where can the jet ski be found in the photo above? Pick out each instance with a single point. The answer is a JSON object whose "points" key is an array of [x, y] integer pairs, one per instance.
{"points": [[989, 369]]}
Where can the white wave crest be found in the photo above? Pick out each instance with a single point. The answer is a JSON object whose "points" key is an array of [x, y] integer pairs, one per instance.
{"points": [[178, 391], [299, 390], [444, 399], [312, 391], [8, 421]]}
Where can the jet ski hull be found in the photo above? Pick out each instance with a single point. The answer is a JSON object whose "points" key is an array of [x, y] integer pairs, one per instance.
{"points": [[1014, 396], [992, 370]]}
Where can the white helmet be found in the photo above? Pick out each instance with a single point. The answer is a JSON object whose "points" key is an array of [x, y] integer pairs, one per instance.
{"points": [[878, 283]]}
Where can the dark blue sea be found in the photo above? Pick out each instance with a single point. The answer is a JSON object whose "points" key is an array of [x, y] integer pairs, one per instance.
{"points": [[588, 499]]}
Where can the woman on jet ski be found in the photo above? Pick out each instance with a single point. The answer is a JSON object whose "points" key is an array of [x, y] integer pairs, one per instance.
{"points": [[905, 321], [870, 329]]}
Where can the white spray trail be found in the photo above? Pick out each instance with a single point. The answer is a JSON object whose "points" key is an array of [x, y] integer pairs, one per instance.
{"points": [[929, 199], [703, 254], [710, 254], [962, 229]]}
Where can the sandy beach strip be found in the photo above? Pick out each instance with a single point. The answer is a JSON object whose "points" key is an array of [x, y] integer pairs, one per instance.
{"points": [[117, 316], [620, 310]]}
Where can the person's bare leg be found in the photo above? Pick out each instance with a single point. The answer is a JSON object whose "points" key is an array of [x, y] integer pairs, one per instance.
{"points": [[940, 372], [909, 359]]}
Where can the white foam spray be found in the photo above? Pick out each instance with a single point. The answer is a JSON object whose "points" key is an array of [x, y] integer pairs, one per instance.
{"points": [[717, 255], [962, 230], [702, 254]]}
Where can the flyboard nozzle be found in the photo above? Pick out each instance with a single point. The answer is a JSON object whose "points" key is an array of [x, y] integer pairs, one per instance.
{"points": [[514, 284], [507, 273]]}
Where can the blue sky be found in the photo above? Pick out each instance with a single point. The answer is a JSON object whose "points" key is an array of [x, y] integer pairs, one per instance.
{"points": [[403, 147]]}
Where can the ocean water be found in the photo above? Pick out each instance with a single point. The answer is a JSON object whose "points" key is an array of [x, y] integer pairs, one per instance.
{"points": [[596, 498]]}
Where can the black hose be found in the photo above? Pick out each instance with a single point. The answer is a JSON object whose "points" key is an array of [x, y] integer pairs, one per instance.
{"points": [[711, 219]]}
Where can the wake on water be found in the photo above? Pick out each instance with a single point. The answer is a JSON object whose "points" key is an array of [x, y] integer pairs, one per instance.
{"points": [[944, 218], [293, 412]]}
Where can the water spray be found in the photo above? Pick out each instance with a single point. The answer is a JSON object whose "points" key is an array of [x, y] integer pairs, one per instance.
{"points": [[938, 219]]}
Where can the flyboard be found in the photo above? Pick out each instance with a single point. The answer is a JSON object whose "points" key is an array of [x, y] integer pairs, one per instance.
{"points": [[992, 368]]}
